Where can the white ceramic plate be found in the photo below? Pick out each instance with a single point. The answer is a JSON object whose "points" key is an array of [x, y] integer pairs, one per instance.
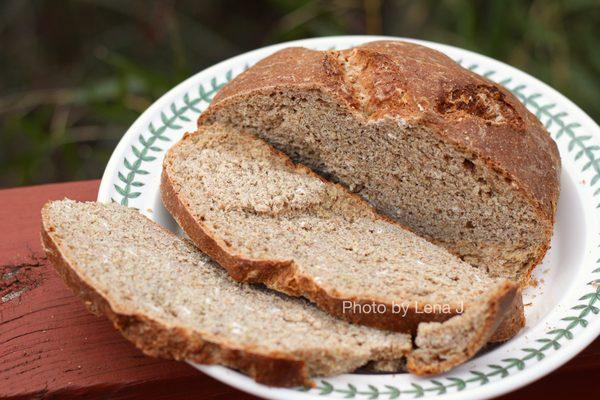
{"points": [[563, 316]]}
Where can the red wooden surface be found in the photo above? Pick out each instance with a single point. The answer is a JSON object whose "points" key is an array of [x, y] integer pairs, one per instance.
{"points": [[51, 347]]}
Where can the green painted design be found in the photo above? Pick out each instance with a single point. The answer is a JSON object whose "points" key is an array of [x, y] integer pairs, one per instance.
{"points": [[148, 144], [554, 118], [579, 142], [147, 147]]}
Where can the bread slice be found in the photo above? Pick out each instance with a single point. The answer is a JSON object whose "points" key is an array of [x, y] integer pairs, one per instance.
{"points": [[449, 154], [267, 220], [171, 301]]}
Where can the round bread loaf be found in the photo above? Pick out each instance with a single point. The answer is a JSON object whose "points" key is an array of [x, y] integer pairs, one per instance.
{"points": [[446, 152]]}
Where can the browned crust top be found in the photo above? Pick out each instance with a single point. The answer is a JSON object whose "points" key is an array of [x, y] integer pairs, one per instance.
{"points": [[420, 86]]}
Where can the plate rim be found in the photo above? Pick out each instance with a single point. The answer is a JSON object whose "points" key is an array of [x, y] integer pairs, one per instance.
{"points": [[513, 381]]}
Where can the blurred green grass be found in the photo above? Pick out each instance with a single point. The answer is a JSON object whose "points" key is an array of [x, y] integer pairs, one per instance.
{"points": [[75, 74]]}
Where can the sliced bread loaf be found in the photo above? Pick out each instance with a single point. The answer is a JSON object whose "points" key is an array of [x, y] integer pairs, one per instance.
{"points": [[171, 301], [449, 154], [267, 220]]}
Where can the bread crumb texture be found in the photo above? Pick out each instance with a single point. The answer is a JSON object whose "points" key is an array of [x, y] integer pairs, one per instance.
{"points": [[172, 301], [449, 154], [140, 269]]}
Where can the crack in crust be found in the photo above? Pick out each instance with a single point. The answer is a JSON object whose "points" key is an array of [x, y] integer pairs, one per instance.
{"points": [[370, 82], [481, 101]]}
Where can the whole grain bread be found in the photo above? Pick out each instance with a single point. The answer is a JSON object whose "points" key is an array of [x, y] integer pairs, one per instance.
{"points": [[448, 153], [267, 220], [172, 301]]}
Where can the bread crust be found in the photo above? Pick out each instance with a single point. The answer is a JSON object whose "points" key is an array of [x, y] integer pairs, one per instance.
{"points": [[512, 323], [283, 275], [158, 340], [501, 300], [418, 86]]}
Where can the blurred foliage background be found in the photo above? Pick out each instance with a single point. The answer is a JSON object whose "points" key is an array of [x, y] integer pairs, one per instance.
{"points": [[75, 74]]}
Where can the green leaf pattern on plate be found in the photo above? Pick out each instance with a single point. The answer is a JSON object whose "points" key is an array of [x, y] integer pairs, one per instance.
{"points": [[149, 143]]}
